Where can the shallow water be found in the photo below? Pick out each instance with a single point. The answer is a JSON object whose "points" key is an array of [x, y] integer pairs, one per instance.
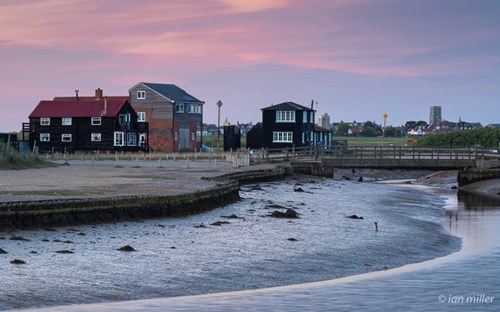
{"points": [[175, 257]]}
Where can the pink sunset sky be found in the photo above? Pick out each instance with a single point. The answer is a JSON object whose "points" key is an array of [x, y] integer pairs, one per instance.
{"points": [[358, 59]]}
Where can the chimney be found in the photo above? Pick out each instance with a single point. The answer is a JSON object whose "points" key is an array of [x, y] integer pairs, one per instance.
{"points": [[76, 92], [105, 105], [98, 93]]}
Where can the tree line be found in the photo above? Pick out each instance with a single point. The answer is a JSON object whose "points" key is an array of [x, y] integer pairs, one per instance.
{"points": [[485, 138]]}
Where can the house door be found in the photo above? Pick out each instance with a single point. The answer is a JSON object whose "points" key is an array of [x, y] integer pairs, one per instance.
{"points": [[184, 139]]}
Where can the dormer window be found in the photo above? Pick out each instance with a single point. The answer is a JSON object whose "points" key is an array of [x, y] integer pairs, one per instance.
{"points": [[141, 95]]}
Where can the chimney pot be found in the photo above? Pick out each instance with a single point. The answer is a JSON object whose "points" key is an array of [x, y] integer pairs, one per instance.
{"points": [[98, 93]]}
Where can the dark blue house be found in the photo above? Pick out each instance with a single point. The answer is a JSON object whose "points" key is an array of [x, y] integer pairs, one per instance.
{"points": [[287, 124]]}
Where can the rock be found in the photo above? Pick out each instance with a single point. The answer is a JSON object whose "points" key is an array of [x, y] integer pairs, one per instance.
{"points": [[49, 230], [3, 251], [360, 179], [233, 216], [219, 223], [161, 225], [68, 242], [64, 251], [274, 206], [292, 239], [33, 252], [19, 238], [126, 248], [45, 240], [355, 217], [298, 189], [81, 234], [200, 226], [17, 261], [290, 214], [173, 247]]}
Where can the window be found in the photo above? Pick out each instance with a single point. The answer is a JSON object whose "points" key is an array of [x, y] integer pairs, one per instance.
{"points": [[197, 108], [142, 138], [131, 139], [189, 108], [66, 121], [283, 137], [96, 121], [44, 137], [119, 139], [95, 137], [124, 118], [304, 116], [141, 95], [179, 108], [45, 121], [285, 116], [141, 116], [65, 137]]}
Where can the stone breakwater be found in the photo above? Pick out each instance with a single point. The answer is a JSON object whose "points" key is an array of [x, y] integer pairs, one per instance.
{"points": [[59, 212]]}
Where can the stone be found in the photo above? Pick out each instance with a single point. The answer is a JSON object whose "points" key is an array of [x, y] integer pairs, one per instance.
{"points": [[290, 214], [355, 217], [18, 261], [126, 248]]}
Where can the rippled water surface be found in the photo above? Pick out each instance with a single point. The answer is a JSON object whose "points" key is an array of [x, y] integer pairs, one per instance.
{"points": [[187, 256]]}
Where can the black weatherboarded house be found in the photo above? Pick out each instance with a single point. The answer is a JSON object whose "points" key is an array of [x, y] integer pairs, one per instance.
{"points": [[287, 124], [86, 124]]}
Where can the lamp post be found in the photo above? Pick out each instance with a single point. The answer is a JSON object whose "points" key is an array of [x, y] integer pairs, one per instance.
{"points": [[219, 104], [383, 129]]}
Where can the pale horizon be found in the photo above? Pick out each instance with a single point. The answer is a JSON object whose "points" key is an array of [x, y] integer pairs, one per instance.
{"points": [[357, 59]]}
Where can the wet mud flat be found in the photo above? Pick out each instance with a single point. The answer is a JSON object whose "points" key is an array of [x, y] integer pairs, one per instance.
{"points": [[240, 246]]}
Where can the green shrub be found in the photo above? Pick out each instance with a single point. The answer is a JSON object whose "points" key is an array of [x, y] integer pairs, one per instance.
{"points": [[485, 138]]}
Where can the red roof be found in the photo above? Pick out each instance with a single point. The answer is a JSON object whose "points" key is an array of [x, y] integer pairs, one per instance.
{"points": [[81, 108]]}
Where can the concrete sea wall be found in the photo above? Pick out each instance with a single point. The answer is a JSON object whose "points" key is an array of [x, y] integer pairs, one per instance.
{"points": [[47, 213]]}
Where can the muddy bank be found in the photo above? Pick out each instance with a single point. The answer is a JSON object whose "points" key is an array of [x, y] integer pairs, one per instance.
{"points": [[75, 211], [367, 175], [450, 179]]}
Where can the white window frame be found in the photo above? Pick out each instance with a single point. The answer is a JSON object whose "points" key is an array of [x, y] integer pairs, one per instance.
{"points": [[44, 137], [197, 108], [141, 95], [66, 137], [119, 138], [285, 116], [45, 121], [179, 107], [131, 139], [141, 116], [66, 121], [95, 137], [96, 121], [282, 137]]}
